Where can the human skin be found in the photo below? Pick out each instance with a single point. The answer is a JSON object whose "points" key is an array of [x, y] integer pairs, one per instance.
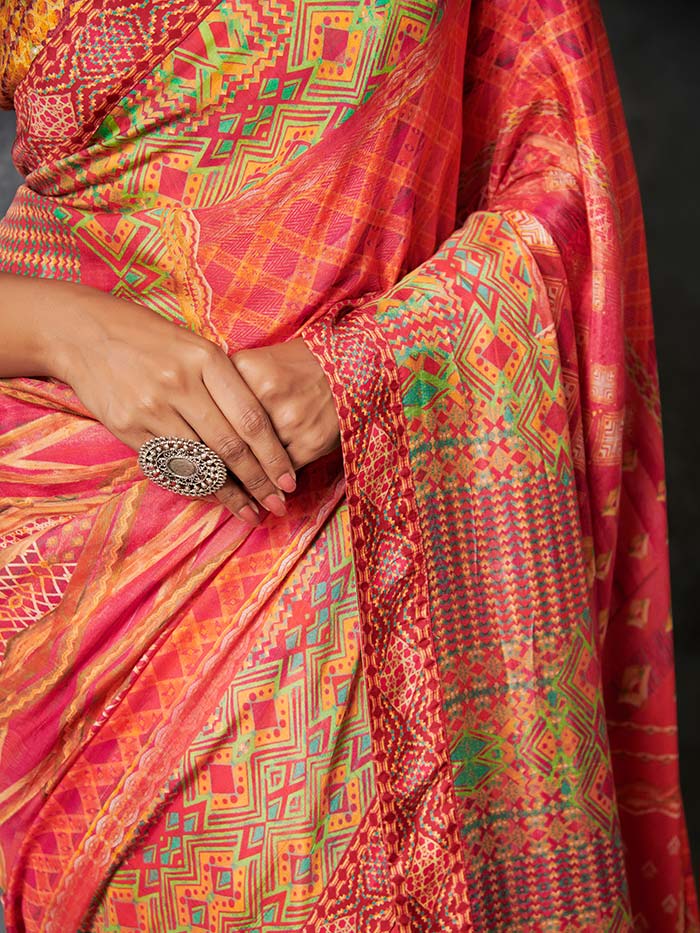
{"points": [[266, 411]]}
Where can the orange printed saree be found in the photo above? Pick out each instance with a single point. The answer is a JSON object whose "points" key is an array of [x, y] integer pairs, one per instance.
{"points": [[439, 694]]}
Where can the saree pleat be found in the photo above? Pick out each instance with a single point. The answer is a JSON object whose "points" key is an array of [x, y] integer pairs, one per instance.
{"points": [[439, 694], [295, 709]]}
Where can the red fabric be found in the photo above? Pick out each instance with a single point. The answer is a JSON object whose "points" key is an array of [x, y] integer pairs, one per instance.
{"points": [[465, 257]]}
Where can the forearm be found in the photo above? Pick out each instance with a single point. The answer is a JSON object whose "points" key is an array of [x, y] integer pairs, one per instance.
{"points": [[34, 313], [143, 376]]}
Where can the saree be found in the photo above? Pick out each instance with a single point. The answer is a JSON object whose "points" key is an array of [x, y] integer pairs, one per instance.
{"points": [[439, 694]]}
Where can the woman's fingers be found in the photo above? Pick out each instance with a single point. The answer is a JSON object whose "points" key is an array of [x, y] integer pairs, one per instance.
{"points": [[230, 495], [256, 455], [216, 431], [297, 396], [138, 373], [235, 500]]}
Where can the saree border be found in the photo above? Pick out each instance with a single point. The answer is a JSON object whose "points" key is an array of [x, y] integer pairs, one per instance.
{"points": [[448, 858], [404, 690]]}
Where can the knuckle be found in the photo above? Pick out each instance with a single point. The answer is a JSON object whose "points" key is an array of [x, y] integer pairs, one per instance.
{"points": [[231, 497], [148, 402], [290, 416], [208, 352], [317, 439], [171, 377], [231, 448], [253, 421], [121, 421], [267, 388], [241, 360], [277, 459], [257, 482]]}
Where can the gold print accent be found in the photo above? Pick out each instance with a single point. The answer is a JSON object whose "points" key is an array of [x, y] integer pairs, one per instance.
{"points": [[635, 684]]}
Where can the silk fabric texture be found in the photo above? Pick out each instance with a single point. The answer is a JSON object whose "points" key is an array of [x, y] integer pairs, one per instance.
{"points": [[440, 200]]}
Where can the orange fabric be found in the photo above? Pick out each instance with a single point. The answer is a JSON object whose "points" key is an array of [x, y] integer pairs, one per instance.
{"points": [[464, 255]]}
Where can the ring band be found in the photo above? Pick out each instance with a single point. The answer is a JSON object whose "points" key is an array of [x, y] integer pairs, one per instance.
{"points": [[189, 468]]}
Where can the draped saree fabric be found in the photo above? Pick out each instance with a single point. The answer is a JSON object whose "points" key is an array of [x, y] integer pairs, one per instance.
{"points": [[439, 694]]}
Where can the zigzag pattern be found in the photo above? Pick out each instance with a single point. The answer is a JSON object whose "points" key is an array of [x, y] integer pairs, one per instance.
{"points": [[273, 789], [71, 83], [490, 495], [30, 587], [480, 449], [252, 88]]}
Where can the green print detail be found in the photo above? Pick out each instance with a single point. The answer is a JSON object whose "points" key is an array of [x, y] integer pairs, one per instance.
{"points": [[476, 758], [272, 85]]}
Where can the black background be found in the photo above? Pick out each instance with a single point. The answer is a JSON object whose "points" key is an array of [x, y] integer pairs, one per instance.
{"points": [[655, 47]]}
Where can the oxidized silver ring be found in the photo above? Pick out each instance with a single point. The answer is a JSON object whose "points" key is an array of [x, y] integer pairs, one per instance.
{"points": [[189, 468]]}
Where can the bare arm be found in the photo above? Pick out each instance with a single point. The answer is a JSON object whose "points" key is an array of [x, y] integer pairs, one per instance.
{"points": [[142, 376], [30, 311]]}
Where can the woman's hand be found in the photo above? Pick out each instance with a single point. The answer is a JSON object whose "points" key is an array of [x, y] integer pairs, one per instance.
{"points": [[143, 377], [292, 387]]}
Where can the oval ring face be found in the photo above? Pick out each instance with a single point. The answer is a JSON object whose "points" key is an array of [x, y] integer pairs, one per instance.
{"points": [[189, 468]]}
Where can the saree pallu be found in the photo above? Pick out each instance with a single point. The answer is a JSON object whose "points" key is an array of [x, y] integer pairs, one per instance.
{"points": [[439, 694]]}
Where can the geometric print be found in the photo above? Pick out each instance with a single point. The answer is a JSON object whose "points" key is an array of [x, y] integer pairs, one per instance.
{"points": [[490, 521], [252, 87], [30, 585], [523, 706], [274, 787], [23, 27]]}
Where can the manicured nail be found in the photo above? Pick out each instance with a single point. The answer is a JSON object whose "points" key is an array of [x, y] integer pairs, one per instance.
{"points": [[250, 513], [274, 504], [287, 482]]}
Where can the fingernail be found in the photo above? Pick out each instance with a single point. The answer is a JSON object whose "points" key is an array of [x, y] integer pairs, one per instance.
{"points": [[287, 482], [250, 514], [274, 504]]}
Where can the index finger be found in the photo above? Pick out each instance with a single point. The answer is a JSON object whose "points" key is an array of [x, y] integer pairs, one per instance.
{"points": [[247, 415]]}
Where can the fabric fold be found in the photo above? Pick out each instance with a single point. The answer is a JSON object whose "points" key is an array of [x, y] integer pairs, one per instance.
{"points": [[440, 200], [459, 409]]}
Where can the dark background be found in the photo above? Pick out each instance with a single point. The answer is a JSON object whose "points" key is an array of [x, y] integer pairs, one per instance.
{"points": [[655, 48]]}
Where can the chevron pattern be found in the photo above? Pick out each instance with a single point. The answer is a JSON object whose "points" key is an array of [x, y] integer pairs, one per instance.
{"points": [[266, 80], [30, 587], [188, 733], [479, 370]]}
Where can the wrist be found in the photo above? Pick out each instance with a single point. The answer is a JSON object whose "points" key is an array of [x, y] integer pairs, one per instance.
{"points": [[71, 328], [57, 329], [33, 322]]}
